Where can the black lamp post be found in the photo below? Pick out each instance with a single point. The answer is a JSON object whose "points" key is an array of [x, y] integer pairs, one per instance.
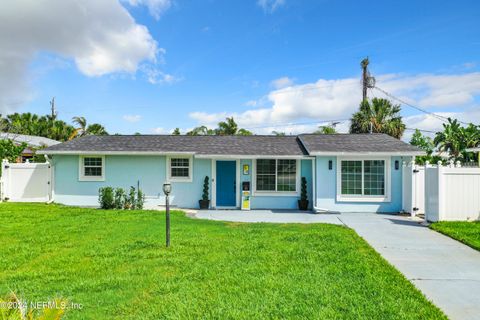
{"points": [[167, 188]]}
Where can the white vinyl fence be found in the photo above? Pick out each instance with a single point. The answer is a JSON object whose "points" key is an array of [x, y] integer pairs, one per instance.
{"points": [[452, 193], [413, 184], [26, 182]]}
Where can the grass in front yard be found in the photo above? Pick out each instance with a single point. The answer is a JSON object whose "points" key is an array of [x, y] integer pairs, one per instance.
{"points": [[116, 265], [466, 232]]}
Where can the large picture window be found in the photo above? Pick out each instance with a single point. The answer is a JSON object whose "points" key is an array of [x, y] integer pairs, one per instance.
{"points": [[276, 175], [363, 178]]}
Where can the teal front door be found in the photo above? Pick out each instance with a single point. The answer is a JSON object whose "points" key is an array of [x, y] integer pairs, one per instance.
{"points": [[226, 183]]}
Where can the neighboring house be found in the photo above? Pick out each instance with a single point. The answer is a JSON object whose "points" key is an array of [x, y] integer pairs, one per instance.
{"points": [[33, 142], [344, 172]]}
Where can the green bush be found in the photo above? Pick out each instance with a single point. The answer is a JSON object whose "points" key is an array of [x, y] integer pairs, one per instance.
{"points": [[106, 198], [118, 198], [303, 191], [205, 189], [140, 199]]}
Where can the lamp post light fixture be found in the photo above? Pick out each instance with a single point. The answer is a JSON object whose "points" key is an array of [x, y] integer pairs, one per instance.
{"points": [[167, 189]]}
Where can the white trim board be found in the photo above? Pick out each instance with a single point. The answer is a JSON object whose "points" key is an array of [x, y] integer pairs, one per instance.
{"points": [[364, 198], [81, 172], [375, 154], [179, 179]]}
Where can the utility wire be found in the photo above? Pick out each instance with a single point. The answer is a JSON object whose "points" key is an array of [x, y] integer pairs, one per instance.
{"points": [[439, 117]]}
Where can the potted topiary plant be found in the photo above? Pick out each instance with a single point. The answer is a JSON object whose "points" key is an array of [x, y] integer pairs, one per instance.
{"points": [[205, 202], [303, 202]]}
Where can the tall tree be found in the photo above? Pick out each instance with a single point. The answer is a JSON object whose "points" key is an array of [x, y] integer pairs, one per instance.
{"points": [[176, 132], [227, 128], [454, 139], [201, 131], [426, 144], [96, 129], [325, 130], [378, 116]]}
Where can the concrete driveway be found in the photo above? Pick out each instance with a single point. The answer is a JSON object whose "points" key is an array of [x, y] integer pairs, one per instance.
{"points": [[446, 271]]}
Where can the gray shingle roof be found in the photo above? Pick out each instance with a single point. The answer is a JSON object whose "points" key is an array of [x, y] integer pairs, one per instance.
{"points": [[214, 145], [237, 145], [355, 143]]}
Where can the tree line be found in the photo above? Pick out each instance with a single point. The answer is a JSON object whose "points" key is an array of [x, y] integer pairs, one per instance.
{"points": [[373, 116], [49, 127]]}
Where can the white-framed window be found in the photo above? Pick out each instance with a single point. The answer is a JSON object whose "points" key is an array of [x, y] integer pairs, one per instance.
{"points": [[276, 175], [179, 168], [363, 179], [91, 168]]}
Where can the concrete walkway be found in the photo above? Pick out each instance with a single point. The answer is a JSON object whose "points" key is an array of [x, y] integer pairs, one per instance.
{"points": [[272, 216], [446, 271]]}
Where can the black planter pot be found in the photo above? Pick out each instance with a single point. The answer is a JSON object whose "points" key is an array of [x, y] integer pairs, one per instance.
{"points": [[204, 204], [303, 204]]}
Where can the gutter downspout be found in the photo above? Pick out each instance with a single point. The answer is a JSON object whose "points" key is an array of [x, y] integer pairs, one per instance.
{"points": [[50, 196]]}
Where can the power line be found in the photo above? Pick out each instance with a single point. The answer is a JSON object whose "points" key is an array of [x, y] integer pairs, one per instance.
{"points": [[297, 123], [439, 117]]}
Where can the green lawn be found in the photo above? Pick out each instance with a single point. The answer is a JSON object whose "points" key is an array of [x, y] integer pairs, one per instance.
{"points": [[116, 265], [466, 232]]}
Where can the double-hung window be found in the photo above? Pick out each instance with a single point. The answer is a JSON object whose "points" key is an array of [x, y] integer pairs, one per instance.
{"points": [[180, 168], [276, 175], [363, 180], [92, 168]]}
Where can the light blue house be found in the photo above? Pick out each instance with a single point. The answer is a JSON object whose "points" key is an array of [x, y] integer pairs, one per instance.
{"points": [[344, 172]]}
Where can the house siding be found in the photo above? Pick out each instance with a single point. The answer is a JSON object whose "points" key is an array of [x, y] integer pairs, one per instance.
{"points": [[126, 171], [150, 172], [278, 202], [326, 189]]}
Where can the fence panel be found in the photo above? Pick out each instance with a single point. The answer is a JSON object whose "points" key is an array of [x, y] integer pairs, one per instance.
{"points": [[453, 193], [413, 189], [26, 182]]}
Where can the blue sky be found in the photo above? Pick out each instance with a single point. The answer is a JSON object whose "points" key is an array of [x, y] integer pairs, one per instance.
{"points": [[153, 65]]}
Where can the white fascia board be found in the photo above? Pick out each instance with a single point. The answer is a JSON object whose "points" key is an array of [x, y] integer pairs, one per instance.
{"points": [[136, 153], [398, 153], [227, 156]]}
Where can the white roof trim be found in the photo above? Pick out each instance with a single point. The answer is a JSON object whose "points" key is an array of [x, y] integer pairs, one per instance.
{"points": [[140, 153], [393, 153], [232, 156]]}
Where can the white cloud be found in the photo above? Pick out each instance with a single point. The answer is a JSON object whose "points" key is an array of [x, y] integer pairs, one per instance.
{"points": [[159, 130], [132, 117], [337, 99], [155, 7], [155, 75], [281, 83], [270, 6], [101, 37]]}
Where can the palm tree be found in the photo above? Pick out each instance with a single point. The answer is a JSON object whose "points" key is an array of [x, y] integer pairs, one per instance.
{"points": [[227, 128], [81, 128], [96, 129], [326, 130], [379, 116], [201, 131], [454, 139], [244, 132]]}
